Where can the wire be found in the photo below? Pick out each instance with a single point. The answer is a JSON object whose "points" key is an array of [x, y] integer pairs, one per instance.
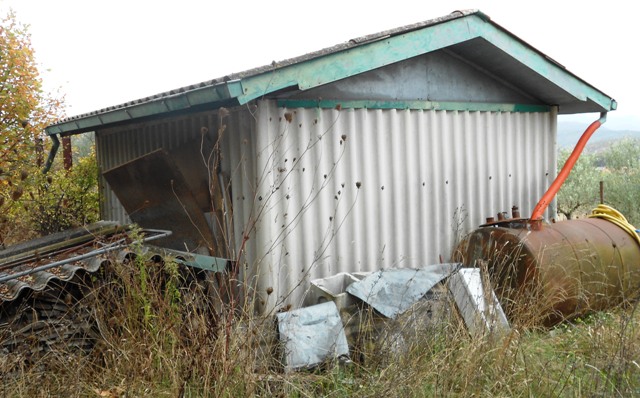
{"points": [[610, 214]]}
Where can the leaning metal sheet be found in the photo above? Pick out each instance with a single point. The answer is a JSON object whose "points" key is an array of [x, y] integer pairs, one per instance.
{"points": [[393, 291], [310, 335], [155, 195]]}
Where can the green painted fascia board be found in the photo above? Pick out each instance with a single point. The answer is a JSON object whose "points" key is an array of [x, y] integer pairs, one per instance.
{"points": [[176, 103], [207, 263], [545, 67], [204, 262], [419, 105], [214, 94], [385, 51], [363, 58], [210, 94], [234, 88], [144, 110]]}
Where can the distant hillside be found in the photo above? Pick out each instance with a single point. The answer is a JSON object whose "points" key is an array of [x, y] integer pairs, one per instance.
{"points": [[569, 133]]}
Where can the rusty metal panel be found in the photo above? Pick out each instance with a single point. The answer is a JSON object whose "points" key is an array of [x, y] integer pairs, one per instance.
{"points": [[118, 145], [325, 191], [155, 195]]}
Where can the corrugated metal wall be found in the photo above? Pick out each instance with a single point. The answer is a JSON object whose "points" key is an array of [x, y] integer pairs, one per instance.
{"points": [[361, 190], [320, 191]]}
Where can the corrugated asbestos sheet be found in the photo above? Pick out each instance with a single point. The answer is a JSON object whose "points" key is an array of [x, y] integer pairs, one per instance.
{"points": [[26, 267], [321, 191], [360, 190], [69, 256]]}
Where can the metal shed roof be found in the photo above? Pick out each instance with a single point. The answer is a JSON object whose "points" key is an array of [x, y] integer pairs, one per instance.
{"points": [[469, 34]]}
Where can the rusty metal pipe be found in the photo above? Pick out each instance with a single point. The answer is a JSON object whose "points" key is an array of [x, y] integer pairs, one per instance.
{"points": [[548, 196], [52, 153]]}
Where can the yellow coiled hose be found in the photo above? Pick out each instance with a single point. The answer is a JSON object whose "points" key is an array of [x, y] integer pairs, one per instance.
{"points": [[610, 214]]}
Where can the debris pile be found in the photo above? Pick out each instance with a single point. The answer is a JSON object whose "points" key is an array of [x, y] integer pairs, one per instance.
{"points": [[404, 302]]}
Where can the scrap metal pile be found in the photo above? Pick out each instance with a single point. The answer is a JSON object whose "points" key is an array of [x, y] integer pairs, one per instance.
{"points": [[389, 309], [46, 290]]}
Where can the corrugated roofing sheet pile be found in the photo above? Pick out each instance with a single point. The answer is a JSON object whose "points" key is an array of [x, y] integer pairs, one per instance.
{"points": [[47, 284], [33, 265]]}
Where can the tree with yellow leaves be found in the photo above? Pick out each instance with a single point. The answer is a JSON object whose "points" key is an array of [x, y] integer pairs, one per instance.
{"points": [[25, 110]]}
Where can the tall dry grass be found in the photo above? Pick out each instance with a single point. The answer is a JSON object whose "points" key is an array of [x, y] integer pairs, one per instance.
{"points": [[163, 332]]}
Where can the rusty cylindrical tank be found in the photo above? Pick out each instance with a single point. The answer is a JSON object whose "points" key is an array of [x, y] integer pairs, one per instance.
{"points": [[560, 271]]}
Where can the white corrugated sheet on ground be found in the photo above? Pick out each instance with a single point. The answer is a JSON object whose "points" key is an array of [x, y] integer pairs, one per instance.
{"points": [[477, 303], [391, 292], [312, 335]]}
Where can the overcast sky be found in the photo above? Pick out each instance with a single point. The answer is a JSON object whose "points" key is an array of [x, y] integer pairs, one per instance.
{"points": [[103, 53]]}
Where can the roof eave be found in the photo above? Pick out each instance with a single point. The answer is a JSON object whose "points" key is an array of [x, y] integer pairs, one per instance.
{"points": [[548, 68], [347, 60], [212, 95]]}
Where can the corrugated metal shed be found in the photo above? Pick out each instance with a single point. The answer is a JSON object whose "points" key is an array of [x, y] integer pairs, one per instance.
{"points": [[375, 153], [425, 177]]}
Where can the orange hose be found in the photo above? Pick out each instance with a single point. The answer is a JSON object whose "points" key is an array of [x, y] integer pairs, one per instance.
{"points": [[566, 169]]}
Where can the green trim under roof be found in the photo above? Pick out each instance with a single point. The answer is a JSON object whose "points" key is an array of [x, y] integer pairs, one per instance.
{"points": [[348, 60], [421, 105], [215, 94]]}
